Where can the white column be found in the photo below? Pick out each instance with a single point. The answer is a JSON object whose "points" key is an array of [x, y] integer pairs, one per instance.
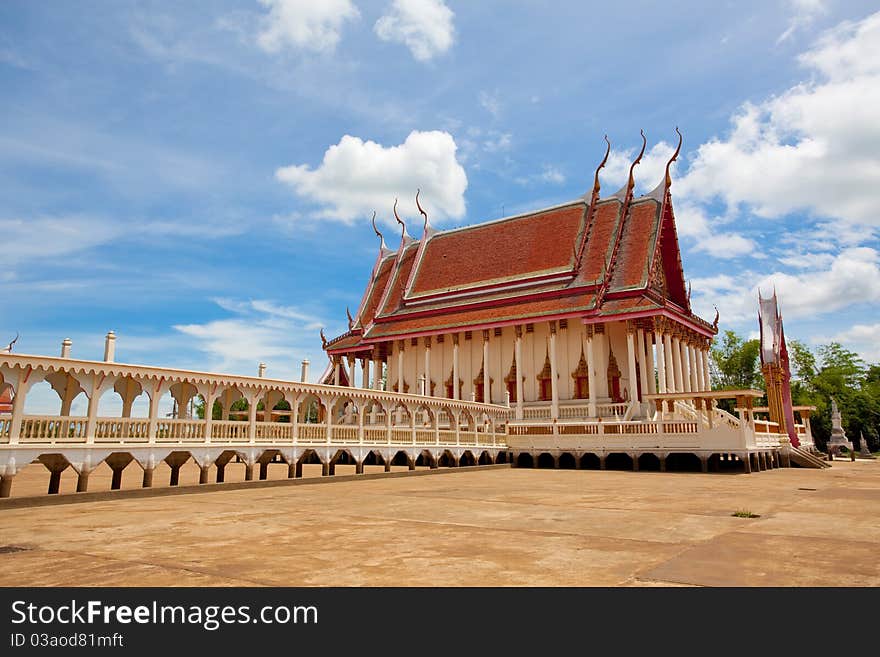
{"points": [[643, 367], [92, 412], [455, 390], [631, 363], [685, 366], [660, 344], [669, 362], [154, 413], [428, 366], [554, 387], [377, 373], [400, 351], [692, 362], [21, 390], [664, 361], [336, 370], [680, 367], [487, 387], [209, 414], [252, 417], [652, 383], [698, 359], [517, 354], [677, 381], [352, 373], [707, 373], [591, 372]]}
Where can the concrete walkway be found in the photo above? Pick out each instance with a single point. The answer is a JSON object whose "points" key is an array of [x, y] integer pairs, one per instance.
{"points": [[485, 528]]}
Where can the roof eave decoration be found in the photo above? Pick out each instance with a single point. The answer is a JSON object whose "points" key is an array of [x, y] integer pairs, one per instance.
{"points": [[427, 229], [404, 236], [427, 232], [660, 192], [625, 193], [594, 198], [608, 271], [383, 248]]}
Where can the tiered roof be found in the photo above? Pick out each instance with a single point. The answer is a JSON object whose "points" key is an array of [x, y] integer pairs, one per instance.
{"points": [[592, 258]]}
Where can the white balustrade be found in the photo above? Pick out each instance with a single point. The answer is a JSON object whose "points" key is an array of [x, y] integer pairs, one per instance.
{"points": [[52, 429], [180, 431], [311, 433], [274, 432]]}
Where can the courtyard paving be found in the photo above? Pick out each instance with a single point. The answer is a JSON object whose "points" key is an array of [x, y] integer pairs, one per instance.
{"points": [[499, 527]]}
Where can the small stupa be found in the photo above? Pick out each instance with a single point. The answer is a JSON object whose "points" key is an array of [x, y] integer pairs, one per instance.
{"points": [[838, 436], [864, 452]]}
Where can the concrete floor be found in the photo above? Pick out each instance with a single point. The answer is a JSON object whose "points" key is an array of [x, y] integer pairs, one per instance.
{"points": [[486, 528]]}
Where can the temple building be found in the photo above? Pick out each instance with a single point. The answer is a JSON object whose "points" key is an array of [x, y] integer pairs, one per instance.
{"points": [[577, 310]]}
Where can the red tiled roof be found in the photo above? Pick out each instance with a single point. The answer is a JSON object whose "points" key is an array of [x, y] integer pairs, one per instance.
{"points": [[598, 247], [628, 305], [398, 280], [518, 310], [636, 241], [521, 247], [368, 311], [519, 269], [345, 342]]}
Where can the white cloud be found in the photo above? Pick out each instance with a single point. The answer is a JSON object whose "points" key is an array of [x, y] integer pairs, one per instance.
{"points": [[260, 331], [852, 277], [498, 141], [815, 148], [692, 222], [804, 13], [553, 175], [305, 24], [549, 175], [26, 240], [424, 26], [862, 338], [491, 103], [691, 218], [647, 174], [357, 177]]}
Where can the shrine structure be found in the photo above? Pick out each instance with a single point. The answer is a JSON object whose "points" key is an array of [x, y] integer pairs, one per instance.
{"points": [[582, 304]]}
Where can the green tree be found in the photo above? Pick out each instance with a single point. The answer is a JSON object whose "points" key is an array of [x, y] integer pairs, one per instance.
{"points": [[736, 363]]}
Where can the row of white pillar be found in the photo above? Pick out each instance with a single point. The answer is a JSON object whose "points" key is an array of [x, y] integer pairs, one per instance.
{"points": [[681, 366]]}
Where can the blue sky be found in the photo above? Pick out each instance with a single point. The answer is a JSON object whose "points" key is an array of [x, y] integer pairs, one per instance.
{"points": [[199, 177]]}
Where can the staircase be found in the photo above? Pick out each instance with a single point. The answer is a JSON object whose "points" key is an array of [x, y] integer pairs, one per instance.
{"points": [[805, 459]]}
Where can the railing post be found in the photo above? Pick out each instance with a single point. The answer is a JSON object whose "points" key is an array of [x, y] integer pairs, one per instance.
{"points": [[412, 422], [388, 427], [152, 428], [294, 418], [21, 389], [328, 421], [252, 419], [209, 417], [361, 413]]}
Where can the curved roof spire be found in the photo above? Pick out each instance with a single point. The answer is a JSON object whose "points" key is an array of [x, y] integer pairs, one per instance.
{"points": [[397, 216], [378, 234], [423, 213], [674, 157], [350, 318], [601, 166], [323, 338], [631, 183]]}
